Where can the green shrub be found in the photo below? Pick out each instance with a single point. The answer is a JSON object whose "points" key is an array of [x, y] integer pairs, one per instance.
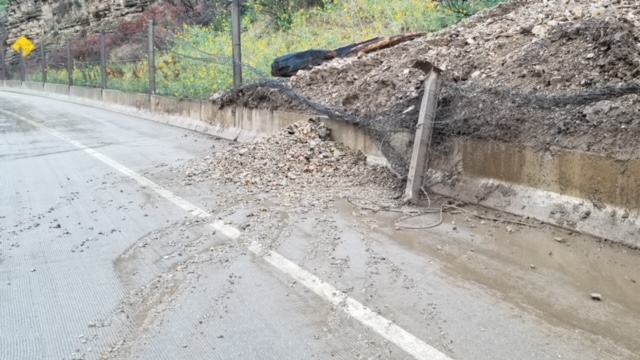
{"points": [[199, 60]]}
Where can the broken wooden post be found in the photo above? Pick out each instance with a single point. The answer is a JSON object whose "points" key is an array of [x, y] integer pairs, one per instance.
{"points": [[424, 132]]}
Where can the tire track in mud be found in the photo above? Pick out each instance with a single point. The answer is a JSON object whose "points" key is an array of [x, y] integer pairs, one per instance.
{"points": [[156, 270]]}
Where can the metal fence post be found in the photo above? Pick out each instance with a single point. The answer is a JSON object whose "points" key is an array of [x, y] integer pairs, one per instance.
{"points": [[69, 62], [237, 49], [43, 52], [152, 59], [103, 59], [23, 66], [2, 61]]}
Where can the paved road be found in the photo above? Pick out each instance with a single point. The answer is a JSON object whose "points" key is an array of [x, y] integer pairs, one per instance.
{"points": [[106, 251]]}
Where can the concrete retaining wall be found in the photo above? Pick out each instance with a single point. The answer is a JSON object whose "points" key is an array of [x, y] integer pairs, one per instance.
{"points": [[13, 83], [33, 86], [221, 122], [91, 94], [232, 123], [119, 98], [176, 107], [586, 192], [56, 89]]}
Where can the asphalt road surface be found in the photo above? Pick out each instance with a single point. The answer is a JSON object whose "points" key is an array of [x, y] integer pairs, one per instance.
{"points": [[107, 253]]}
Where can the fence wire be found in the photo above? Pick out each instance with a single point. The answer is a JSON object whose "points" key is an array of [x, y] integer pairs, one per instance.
{"points": [[465, 110]]}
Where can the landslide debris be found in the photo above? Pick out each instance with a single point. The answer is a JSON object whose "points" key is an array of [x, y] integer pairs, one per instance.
{"points": [[301, 156], [536, 48]]}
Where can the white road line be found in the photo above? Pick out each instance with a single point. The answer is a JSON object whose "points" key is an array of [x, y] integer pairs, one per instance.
{"points": [[386, 328]]}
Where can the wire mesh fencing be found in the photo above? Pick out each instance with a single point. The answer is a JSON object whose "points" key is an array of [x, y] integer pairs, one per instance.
{"points": [[156, 60]]}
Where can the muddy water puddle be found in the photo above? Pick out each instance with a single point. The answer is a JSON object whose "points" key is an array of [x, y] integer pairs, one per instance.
{"points": [[545, 270]]}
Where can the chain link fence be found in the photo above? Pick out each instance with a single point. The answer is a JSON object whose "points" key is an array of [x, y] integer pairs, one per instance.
{"points": [[145, 61]]}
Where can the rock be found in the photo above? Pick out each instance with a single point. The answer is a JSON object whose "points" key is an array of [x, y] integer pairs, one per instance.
{"points": [[38, 18], [33, 270], [532, 266], [602, 107], [243, 151], [593, 112], [324, 133], [556, 80], [470, 41], [539, 30], [596, 296], [578, 12], [526, 29], [476, 74], [559, 239], [597, 12]]}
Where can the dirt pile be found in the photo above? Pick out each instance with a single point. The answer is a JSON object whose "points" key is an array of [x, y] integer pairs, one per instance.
{"points": [[301, 155], [548, 47], [536, 48]]}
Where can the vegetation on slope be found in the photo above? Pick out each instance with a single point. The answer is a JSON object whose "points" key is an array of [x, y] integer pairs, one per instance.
{"points": [[198, 62]]}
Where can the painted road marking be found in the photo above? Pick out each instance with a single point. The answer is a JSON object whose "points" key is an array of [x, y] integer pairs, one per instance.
{"points": [[384, 327]]}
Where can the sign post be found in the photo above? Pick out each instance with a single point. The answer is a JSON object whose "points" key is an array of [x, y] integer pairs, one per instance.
{"points": [[24, 47]]}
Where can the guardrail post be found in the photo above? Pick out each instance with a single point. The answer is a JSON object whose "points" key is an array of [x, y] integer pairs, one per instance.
{"points": [[152, 59], [103, 59], [69, 62]]}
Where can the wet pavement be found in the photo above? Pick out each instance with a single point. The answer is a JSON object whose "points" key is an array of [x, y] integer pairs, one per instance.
{"points": [[95, 264]]}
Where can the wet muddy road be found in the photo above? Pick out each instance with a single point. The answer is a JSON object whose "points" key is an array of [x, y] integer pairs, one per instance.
{"points": [[109, 250]]}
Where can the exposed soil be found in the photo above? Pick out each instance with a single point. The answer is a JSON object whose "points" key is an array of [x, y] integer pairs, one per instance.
{"points": [[533, 48]]}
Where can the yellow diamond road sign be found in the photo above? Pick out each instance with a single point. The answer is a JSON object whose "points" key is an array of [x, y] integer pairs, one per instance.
{"points": [[23, 44]]}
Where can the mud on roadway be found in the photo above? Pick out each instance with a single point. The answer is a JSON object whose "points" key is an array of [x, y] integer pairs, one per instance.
{"points": [[472, 284], [99, 263], [476, 284]]}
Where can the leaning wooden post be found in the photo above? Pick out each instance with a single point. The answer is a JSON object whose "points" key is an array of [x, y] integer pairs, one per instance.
{"points": [[424, 133]]}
